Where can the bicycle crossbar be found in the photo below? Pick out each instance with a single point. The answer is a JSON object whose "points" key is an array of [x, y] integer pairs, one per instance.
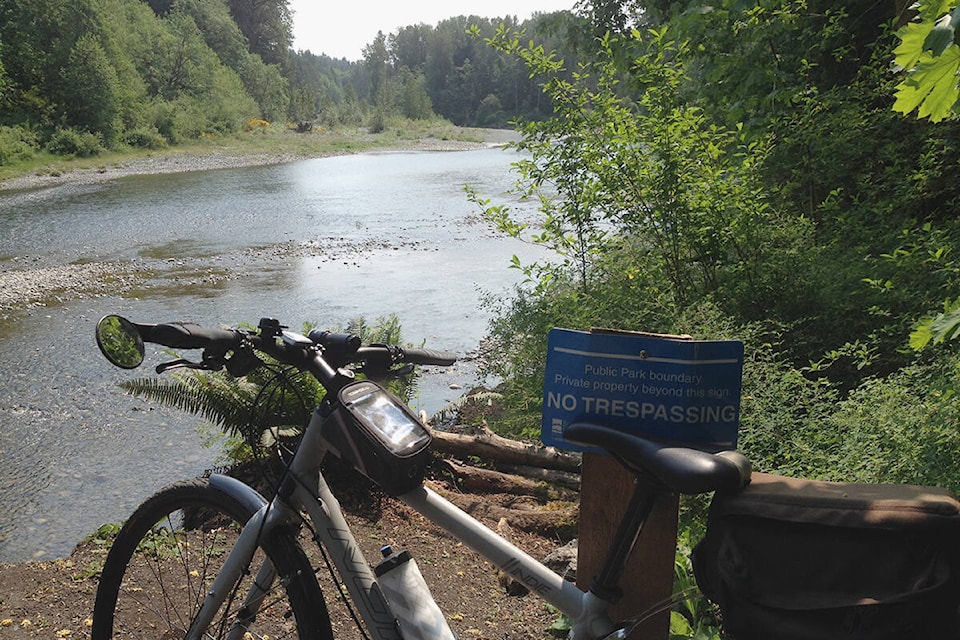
{"points": [[586, 610]]}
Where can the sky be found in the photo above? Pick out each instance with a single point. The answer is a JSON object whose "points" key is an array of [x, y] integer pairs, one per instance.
{"points": [[342, 28]]}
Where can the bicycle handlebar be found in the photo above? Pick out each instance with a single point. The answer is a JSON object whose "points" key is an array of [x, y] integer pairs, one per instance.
{"points": [[429, 356], [188, 335], [322, 352]]}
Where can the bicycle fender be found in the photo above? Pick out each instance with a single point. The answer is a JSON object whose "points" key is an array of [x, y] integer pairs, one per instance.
{"points": [[239, 491]]}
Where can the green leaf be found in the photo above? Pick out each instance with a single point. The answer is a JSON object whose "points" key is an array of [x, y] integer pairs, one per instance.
{"points": [[912, 39], [679, 626], [943, 327], [932, 86], [920, 337], [934, 31], [931, 11], [946, 326], [940, 37]]}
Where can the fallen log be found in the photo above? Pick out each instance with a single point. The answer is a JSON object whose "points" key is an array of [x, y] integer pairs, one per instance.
{"points": [[551, 522], [476, 479], [565, 479], [489, 446], [480, 480]]}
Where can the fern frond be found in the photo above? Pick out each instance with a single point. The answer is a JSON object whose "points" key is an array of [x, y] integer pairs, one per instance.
{"points": [[226, 403]]}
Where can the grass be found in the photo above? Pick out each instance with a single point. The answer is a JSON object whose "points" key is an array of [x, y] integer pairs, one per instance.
{"points": [[275, 140]]}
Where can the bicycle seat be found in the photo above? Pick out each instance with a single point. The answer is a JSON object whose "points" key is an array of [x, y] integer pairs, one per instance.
{"points": [[681, 469]]}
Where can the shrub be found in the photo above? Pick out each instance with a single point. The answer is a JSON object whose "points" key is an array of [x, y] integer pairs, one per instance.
{"points": [[177, 120], [16, 145], [378, 121], [898, 429], [70, 142], [145, 138]]}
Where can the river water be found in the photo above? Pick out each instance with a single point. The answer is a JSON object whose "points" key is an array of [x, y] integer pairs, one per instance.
{"points": [[321, 240]]}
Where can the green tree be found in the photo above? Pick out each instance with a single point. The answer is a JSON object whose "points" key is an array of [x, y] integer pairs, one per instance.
{"points": [[37, 40], [408, 46], [220, 32], [264, 82], [653, 173], [414, 103], [267, 87], [268, 27], [303, 107], [650, 210], [376, 61], [813, 77], [4, 80], [93, 90]]}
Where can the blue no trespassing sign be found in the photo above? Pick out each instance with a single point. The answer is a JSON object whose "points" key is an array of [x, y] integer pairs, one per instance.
{"points": [[685, 391]]}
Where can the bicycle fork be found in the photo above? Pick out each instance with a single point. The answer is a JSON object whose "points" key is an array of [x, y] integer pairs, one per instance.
{"points": [[236, 564]]}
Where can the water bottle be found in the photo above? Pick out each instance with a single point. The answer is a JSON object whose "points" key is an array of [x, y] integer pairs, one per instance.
{"points": [[410, 598]]}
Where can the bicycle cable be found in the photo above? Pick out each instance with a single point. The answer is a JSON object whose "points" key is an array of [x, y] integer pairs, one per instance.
{"points": [[666, 604]]}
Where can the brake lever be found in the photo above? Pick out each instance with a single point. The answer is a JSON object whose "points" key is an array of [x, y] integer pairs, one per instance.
{"points": [[386, 373], [181, 363]]}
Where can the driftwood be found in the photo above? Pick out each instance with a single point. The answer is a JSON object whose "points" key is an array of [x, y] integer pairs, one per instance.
{"points": [[551, 522], [489, 446], [473, 479], [476, 479], [551, 473], [566, 479]]}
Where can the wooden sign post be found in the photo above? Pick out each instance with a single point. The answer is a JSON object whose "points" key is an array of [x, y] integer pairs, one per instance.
{"points": [[666, 387], [605, 491]]}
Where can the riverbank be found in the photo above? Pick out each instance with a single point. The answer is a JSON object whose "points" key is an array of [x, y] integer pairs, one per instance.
{"points": [[250, 151]]}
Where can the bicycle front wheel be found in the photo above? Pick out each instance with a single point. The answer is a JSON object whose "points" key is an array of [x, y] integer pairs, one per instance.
{"points": [[164, 560]]}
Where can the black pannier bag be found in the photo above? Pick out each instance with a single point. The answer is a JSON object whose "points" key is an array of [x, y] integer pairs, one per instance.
{"points": [[789, 559]]}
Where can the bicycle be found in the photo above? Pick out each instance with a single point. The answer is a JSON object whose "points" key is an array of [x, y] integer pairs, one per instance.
{"points": [[213, 558]]}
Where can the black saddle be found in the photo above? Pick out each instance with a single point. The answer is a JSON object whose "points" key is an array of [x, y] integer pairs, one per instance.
{"points": [[679, 468]]}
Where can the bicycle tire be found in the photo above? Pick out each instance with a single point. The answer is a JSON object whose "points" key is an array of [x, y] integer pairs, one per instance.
{"points": [[161, 565]]}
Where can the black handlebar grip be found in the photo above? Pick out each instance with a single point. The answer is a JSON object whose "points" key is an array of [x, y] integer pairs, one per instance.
{"points": [[338, 342], [187, 335], [429, 356]]}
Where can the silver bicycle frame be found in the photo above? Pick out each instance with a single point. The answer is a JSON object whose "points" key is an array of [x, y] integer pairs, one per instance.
{"points": [[587, 612]]}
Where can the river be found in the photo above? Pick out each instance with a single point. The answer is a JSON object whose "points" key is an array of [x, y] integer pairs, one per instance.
{"points": [[322, 240]]}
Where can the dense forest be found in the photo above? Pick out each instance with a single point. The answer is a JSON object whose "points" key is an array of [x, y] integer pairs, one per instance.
{"points": [[77, 77]]}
